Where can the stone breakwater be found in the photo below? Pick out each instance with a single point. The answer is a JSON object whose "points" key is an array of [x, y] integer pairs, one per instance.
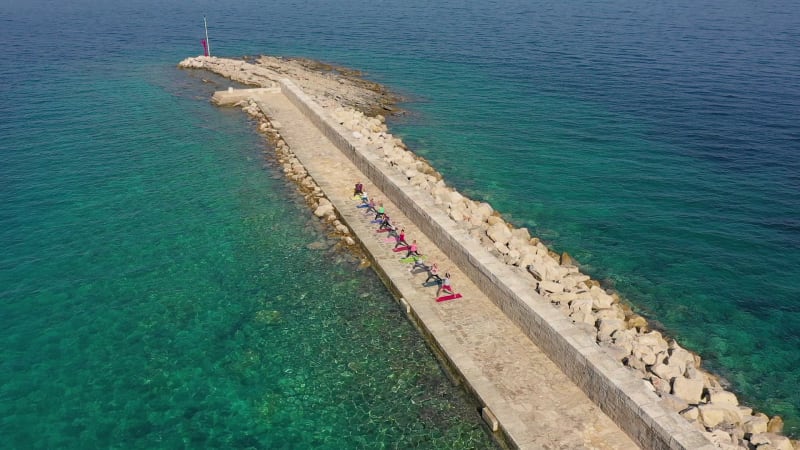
{"points": [[673, 373]]}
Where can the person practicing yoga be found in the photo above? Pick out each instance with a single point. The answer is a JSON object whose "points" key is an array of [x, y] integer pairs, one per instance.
{"points": [[412, 250], [433, 274], [418, 263], [386, 224], [380, 211], [370, 206], [445, 285], [401, 239], [364, 200], [358, 190]]}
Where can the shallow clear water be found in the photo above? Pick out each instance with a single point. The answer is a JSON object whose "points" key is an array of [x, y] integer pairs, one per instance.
{"points": [[657, 143], [163, 286]]}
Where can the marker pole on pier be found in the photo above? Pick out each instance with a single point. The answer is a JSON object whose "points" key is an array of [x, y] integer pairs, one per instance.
{"points": [[208, 44]]}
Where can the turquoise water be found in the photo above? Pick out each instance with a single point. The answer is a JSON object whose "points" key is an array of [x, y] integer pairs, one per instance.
{"points": [[143, 241], [163, 286]]}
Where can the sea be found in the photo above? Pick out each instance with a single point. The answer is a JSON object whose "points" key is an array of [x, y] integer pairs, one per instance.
{"points": [[163, 286]]}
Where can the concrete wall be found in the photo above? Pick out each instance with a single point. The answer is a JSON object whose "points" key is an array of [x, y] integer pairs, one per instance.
{"points": [[624, 398]]}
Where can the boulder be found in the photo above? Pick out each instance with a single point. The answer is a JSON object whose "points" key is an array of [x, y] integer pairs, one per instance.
{"points": [[521, 233], [666, 371], [517, 243], [579, 304], [774, 440], [499, 233], [582, 317], [691, 414], [565, 296], [723, 397], [566, 260], [679, 357], [637, 321], [755, 424], [501, 248], [712, 415], [485, 210], [601, 299], [535, 273], [607, 327], [646, 346], [419, 180], [617, 352], [672, 402], [611, 313], [492, 220], [549, 286], [513, 257], [624, 338], [775, 425], [690, 390], [440, 193], [456, 197], [719, 438], [323, 209]]}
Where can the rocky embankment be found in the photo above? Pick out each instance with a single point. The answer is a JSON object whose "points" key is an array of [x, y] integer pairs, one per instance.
{"points": [[674, 373]]}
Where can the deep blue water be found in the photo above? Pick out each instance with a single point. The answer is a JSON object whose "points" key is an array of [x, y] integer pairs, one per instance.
{"points": [[148, 273]]}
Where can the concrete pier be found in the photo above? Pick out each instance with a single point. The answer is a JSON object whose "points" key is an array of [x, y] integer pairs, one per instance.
{"points": [[540, 382]]}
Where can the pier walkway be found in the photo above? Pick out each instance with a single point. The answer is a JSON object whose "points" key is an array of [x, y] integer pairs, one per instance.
{"points": [[530, 401]]}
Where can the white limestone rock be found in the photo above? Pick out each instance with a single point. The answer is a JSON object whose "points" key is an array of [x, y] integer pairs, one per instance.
{"points": [[712, 415], [624, 338], [755, 424], [494, 219], [565, 296], [499, 233], [679, 357], [501, 248], [610, 313], [522, 234], [723, 397], [607, 327], [719, 438], [691, 414], [601, 299], [776, 441], [582, 317], [484, 210], [549, 287], [616, 352], [688, 389], [579, 304], [672, 402], [410, 173], [666, 371], [646, 346], [323, 210], [418, 180], [513, 257], [456, 197]]}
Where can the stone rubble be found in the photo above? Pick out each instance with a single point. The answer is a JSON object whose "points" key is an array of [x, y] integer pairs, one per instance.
{"points": [[673, 372]]}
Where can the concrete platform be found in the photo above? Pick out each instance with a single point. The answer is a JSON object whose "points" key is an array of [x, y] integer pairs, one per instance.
{"points": [[532, 403]]}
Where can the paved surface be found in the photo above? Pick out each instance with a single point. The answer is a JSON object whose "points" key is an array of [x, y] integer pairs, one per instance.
{"points": [[537, 406]]}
